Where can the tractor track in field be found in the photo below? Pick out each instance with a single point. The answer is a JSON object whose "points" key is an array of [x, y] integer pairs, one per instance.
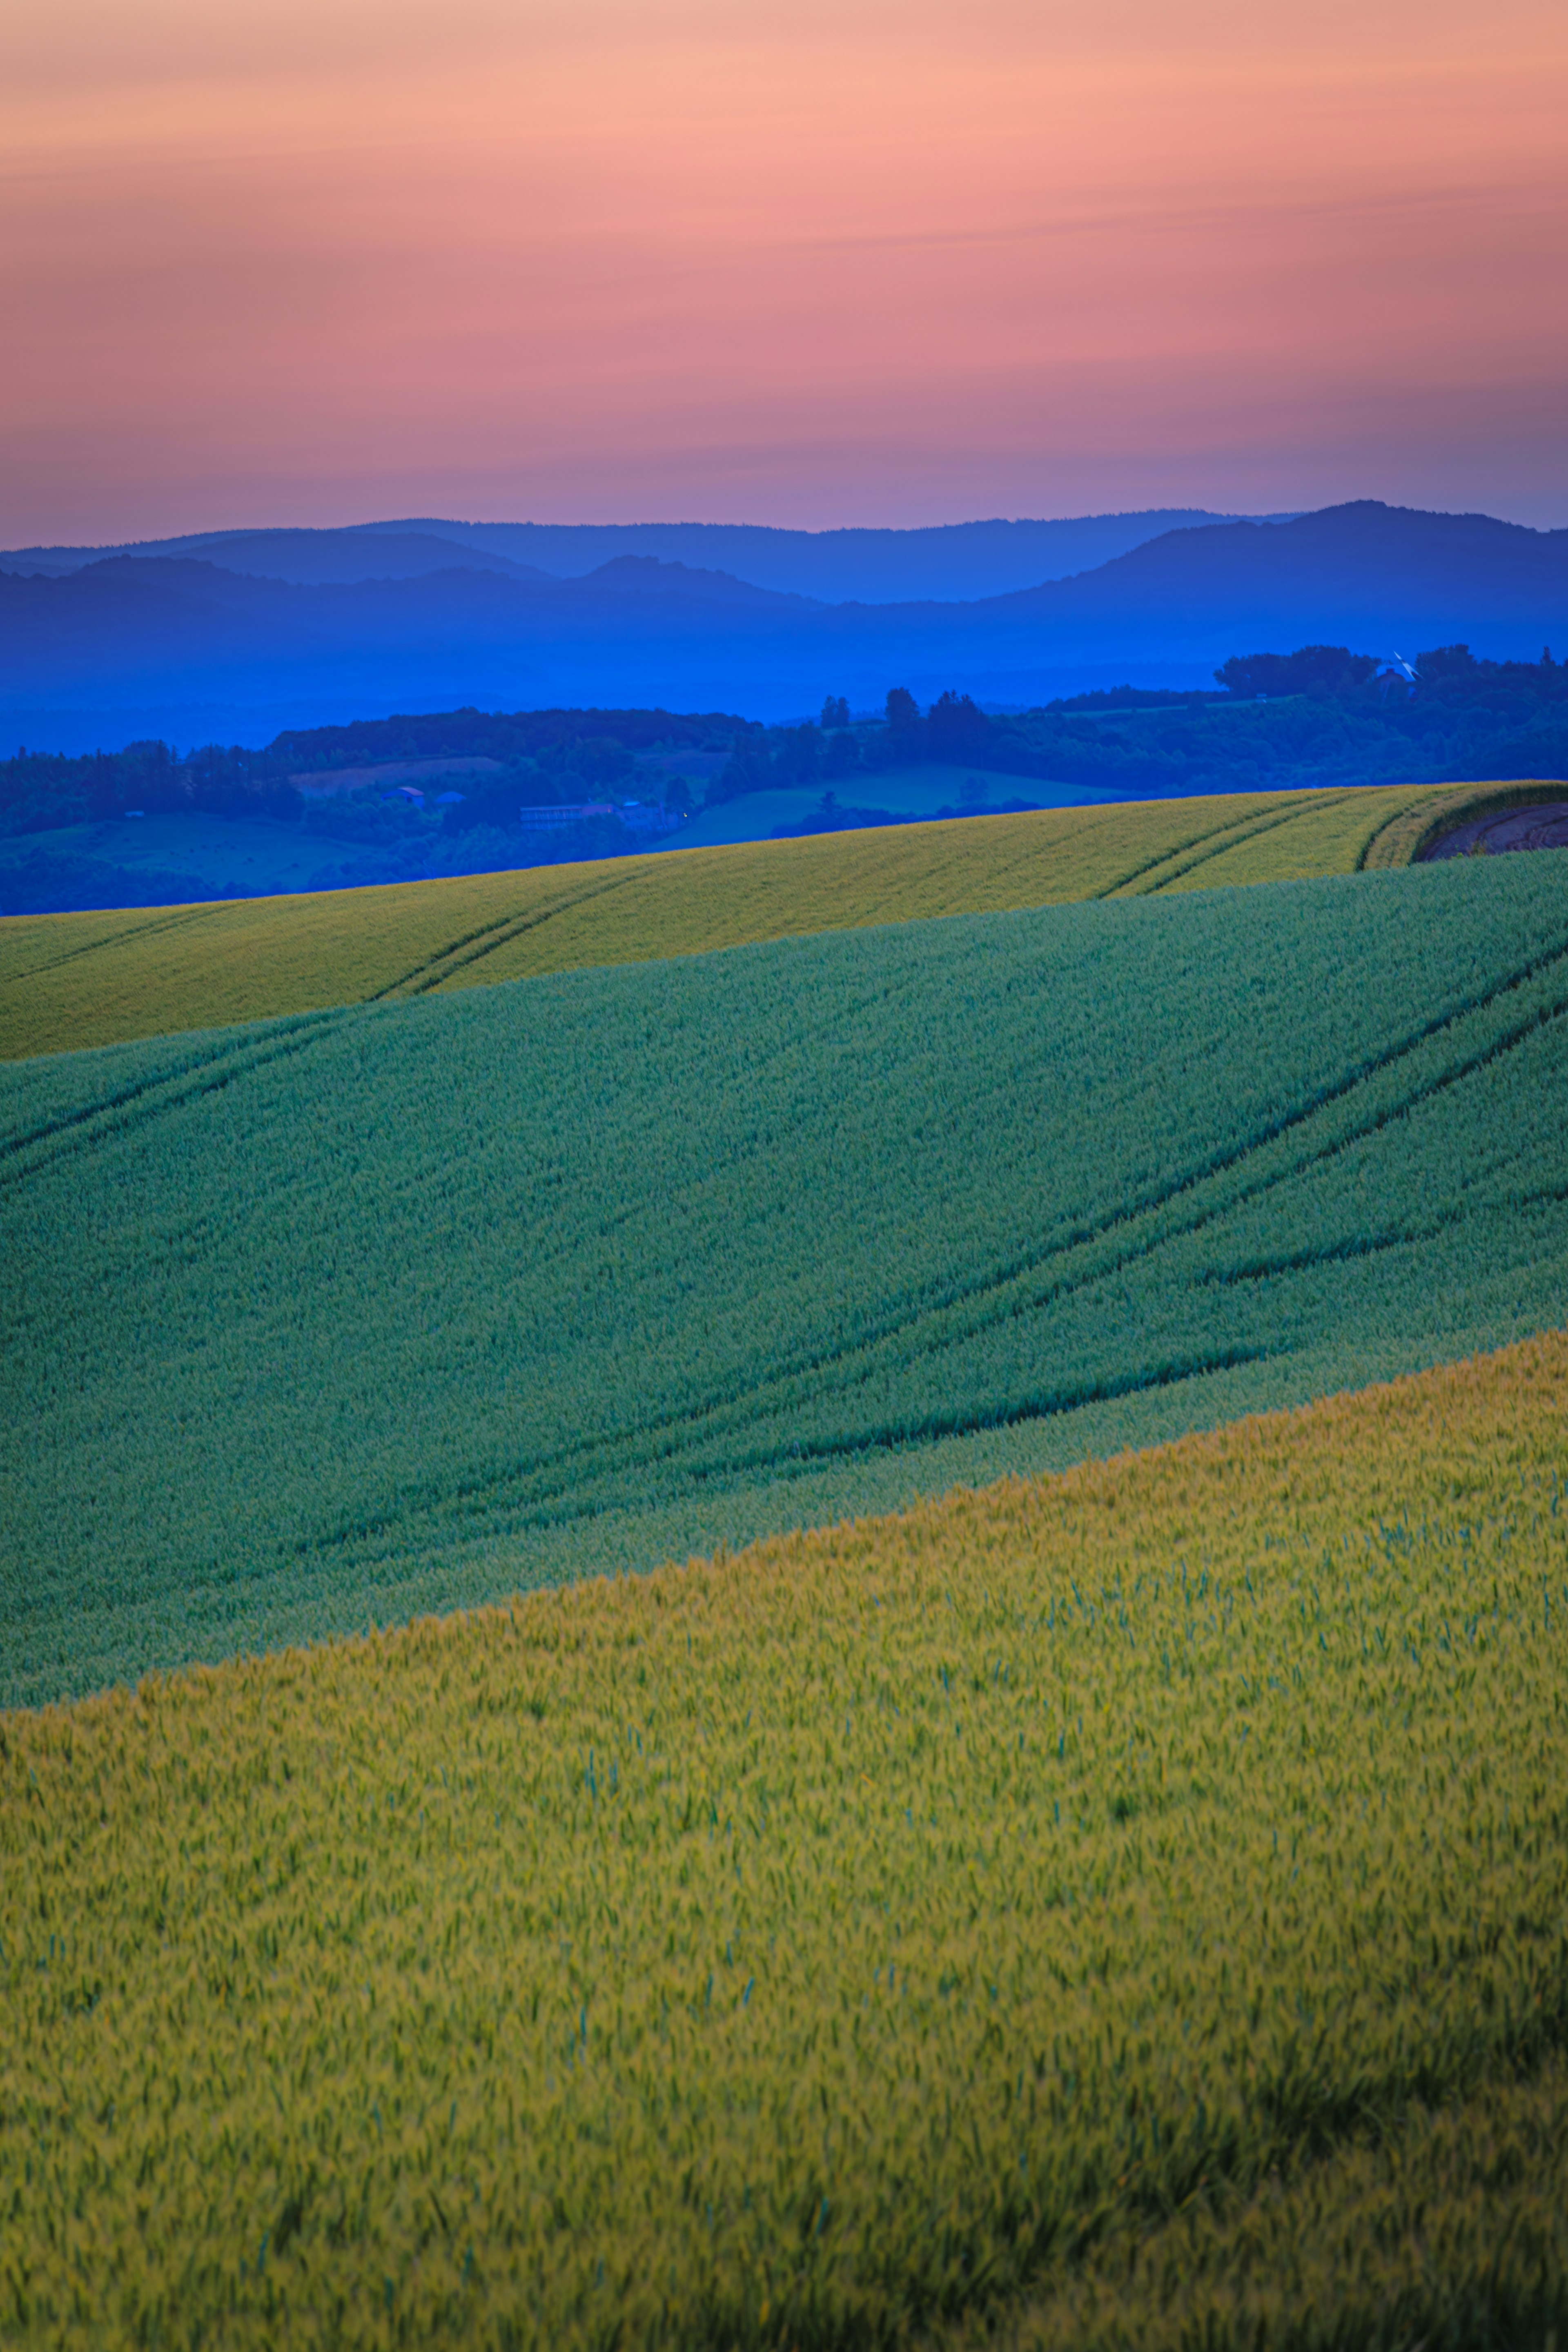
{"points": [[181, 918], [1208, 843], [994, 1298], [153, 1098], [1216, 845], [457, 956], [433, 970]]}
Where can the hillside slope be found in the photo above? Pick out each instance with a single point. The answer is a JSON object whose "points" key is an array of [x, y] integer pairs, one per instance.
{"points": [[392, 1307], [70, 980], [1143, 1891], [1348, 573]]}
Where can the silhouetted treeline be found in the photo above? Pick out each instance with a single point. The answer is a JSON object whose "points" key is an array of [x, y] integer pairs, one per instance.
{"points": [[1320, 714], [498, 735], [1445, 675], [42, 790]]}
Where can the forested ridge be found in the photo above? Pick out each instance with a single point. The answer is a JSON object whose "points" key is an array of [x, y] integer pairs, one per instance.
{"points": [[41, 791], [1326, 713], [1321, 715]]}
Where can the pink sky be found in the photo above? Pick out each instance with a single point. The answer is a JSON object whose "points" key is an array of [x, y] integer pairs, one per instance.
{"points": [[320, 260]]}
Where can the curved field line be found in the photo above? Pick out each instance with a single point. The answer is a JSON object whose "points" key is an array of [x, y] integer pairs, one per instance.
{"points": [[796, 1462], [1177, 849], [424, 976], [166, 921], [1414, 829], [1379, 852], [1009, 1276], [411, 978], [740, 1412], [152, 1098], [994, 1298], [1213, 845]]}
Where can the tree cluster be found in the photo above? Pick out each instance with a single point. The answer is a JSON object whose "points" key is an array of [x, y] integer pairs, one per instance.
{"points": [[1319, 714], [1333, 668], [953, 731], [561, 755]]}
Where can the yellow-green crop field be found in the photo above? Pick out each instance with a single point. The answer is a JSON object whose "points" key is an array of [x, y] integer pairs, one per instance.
{"points": [[1053, 1903], [70, 980], [410, 1306], [1448, 2229]]}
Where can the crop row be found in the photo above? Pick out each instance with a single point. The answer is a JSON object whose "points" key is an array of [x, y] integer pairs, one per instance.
{"points": [[1449, 2231]]}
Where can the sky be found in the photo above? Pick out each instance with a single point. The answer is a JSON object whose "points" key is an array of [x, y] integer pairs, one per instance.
{"points": [[318, 261]]}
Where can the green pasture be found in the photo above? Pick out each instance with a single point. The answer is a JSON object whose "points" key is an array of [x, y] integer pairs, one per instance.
{"points": [[216, 852], [396, 1308]]}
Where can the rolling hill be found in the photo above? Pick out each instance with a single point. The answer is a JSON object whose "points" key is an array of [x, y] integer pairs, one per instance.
{"points": [[401, 1306], [318, 558], [1352, 574], [947, 561], [1124, 1910], [94, 979], [1118, 1905]]}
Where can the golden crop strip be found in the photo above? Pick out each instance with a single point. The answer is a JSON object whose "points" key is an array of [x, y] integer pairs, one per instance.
{"points": [[808, 1946], [70, 980]]}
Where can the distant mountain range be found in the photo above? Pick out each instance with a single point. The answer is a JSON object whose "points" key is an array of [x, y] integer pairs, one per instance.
{"points": [[949, 562], [199, 645]]}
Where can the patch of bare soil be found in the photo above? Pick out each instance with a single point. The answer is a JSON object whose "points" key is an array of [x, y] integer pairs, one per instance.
{"points": [[1522, 828]]}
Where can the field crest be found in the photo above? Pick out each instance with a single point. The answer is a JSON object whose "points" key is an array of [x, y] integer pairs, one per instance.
{"points": [[72, 980]]}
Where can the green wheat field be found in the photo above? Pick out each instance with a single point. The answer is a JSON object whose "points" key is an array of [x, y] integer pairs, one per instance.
{"points": [[842, 1627]]}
